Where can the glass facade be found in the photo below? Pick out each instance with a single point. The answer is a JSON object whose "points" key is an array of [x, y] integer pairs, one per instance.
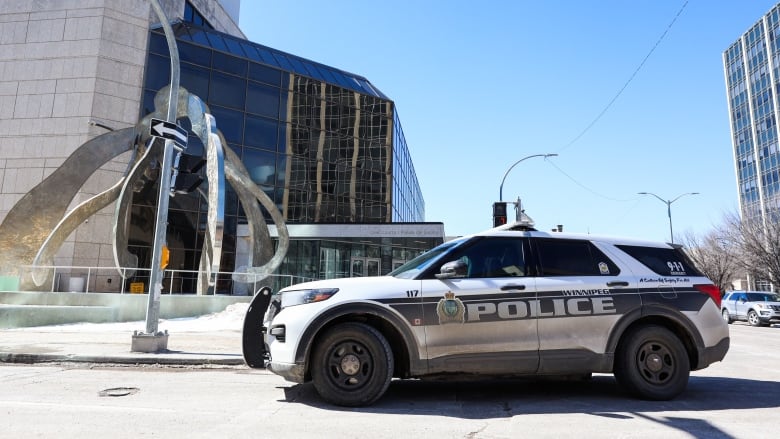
{"points": [[324, 144], [752, 71]]}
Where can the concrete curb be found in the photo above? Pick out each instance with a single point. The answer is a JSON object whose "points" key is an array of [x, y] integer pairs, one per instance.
{"points": [[228, 360]]}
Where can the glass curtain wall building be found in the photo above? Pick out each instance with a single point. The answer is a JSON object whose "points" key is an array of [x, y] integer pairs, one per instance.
{"points": [[324, 144], [752, 72]]}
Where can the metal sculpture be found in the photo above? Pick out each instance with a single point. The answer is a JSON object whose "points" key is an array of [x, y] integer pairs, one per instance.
{"points": [[35, 227]]}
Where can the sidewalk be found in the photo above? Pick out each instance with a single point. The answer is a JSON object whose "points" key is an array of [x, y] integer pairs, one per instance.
{"points": [[214, 339]]}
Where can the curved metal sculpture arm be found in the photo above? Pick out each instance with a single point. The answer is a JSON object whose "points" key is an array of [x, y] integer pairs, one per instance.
{"points": [[67, 225], [236, 172], [215, 173], [123, 259], [28, 224]]}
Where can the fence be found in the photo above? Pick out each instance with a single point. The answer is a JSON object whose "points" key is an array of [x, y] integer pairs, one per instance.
{"points": [[108, 280]]}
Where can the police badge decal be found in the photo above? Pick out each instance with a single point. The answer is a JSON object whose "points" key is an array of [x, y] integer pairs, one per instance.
{"points": [[450, 309]]}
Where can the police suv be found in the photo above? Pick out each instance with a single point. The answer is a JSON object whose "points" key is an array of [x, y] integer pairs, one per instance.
{"points": [[510, 301]]}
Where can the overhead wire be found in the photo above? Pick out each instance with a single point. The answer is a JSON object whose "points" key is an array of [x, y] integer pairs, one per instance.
{"points": [[631, 78], [609, 105]]}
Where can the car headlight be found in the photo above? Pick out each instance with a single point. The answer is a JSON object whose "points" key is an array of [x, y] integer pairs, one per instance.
{"points": [[762, 305], [299, 297]]}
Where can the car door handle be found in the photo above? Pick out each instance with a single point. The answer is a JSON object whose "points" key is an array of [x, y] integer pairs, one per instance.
{"points": [[617, 283], [512, 287]]}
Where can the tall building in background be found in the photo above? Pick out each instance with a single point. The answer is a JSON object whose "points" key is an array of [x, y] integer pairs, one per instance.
{"points": [[326, 145], [752, 69]]}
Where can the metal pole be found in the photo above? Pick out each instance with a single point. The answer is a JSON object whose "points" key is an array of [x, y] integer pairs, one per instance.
{"points": [[669, 208], [161, 222], [501, 188]]}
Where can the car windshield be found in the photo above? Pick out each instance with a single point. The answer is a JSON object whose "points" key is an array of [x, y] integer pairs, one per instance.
{"points": [[410, 269], [763, 297]]}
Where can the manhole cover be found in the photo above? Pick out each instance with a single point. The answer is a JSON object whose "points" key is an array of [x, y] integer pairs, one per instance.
{"points": [[119, 391]]}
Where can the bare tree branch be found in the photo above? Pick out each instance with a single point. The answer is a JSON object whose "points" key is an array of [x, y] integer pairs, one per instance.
{"points": [[714, 255]]}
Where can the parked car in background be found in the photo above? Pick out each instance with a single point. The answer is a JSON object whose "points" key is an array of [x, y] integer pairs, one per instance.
{"points": [[758, 308]]}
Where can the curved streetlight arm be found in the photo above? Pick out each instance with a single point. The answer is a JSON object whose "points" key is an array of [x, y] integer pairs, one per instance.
{"points": [[662, 200], [501, 188], [682, 195], [669, 208]]}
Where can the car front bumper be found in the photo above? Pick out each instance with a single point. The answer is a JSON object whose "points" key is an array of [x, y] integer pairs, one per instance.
{"points": [[290, 372]]}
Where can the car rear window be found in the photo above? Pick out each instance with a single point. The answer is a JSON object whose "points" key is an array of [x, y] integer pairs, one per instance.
{"points": [[663, 261]]}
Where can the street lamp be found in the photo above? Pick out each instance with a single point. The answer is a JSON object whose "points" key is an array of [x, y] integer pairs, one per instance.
{"points": [[501, 188], [669, 207]]}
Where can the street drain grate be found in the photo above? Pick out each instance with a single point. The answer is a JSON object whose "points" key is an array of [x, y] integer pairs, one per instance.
{"points": [[119, 391]]}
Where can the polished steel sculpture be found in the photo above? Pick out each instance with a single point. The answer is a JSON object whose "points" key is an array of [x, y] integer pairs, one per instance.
{"points": [[37, 225]]}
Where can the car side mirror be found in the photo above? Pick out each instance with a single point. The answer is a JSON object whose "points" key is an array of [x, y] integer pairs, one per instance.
{"points": [[452, 269]]}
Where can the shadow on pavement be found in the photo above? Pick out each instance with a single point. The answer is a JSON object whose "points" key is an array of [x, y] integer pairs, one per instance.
{"points": [[506, 398]]}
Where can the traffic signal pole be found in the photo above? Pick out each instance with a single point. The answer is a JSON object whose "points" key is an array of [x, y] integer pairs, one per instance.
{"points": [[152, 340]]}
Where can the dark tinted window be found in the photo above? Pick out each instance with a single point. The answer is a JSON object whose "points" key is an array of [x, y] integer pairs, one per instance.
{"points": [[227, 90], [262, 100], [762, 297], [264, 74], [195, 79], [230, 122], [493, 257], [158, 72], [229, 64], [663, 261], [261, 132], [192, 53], [566, 257]]}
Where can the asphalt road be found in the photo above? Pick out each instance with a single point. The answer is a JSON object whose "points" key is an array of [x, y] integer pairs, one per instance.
{"points": [[737, 398]]}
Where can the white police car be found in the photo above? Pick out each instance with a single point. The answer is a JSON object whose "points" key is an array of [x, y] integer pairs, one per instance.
{"points": [[510, 301]]}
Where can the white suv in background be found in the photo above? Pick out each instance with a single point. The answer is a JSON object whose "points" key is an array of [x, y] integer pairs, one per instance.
{"points": [[511, 301], [758, 308]]}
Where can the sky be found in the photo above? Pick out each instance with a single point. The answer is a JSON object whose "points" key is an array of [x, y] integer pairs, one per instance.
{"points": [[479, 86]]}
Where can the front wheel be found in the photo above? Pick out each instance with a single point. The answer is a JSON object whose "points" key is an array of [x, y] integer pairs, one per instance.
{"points": [[651, 363], [352, 365], [753, 319]]}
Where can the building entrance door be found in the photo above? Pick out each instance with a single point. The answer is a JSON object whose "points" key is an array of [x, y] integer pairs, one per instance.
{"points": [[360, 266]]}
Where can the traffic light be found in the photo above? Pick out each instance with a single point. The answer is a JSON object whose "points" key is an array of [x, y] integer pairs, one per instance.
{"points": [[185, 176], [499, 213]]}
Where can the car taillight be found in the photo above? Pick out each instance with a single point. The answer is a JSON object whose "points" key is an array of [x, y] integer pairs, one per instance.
{"points": [[710, 290]]}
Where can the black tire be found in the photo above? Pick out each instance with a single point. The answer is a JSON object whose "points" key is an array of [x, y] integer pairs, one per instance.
{"points": [[352, 365], [726, 316], [752, 318], [651, 363]]}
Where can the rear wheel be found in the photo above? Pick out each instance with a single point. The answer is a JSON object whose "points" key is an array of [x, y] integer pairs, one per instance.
{"points": [[651, 363], [726, 316], [352, 365]]}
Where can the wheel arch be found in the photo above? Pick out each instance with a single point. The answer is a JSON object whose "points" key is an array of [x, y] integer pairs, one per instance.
{"points": [[672, 320], [390, 325]]}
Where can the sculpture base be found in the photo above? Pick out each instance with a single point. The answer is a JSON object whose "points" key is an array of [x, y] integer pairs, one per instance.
{"points": [[149, 342]]}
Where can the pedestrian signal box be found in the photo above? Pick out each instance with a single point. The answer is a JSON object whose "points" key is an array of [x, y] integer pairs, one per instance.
{"points": [[499, 213]]}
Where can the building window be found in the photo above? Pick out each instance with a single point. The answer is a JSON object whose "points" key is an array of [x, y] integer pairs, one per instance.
{"points": [[193, 16]]}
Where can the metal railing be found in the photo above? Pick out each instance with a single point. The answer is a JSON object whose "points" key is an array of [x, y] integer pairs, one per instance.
{"points": [[66, 278]]}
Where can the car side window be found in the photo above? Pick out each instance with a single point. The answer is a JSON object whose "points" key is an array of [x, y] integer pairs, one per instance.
{"points": [[571, 257], [494, 257]]}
